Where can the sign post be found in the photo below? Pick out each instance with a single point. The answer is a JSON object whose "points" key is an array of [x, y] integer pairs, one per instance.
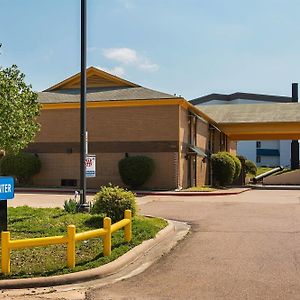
{"points": [[7, 191]]}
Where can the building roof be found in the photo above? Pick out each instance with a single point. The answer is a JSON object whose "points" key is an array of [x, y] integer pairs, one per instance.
{"points": [[101, 86], [253, 113], [104, 89], [95, 78], [102, 94], [238, 95]]}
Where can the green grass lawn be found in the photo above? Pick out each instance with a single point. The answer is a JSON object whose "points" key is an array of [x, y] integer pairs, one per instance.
{"points": [[199, 189], [28, 222], [260, 170]]}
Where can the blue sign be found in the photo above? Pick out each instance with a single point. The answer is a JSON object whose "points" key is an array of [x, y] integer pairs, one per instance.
{"points": [[7, 188]]}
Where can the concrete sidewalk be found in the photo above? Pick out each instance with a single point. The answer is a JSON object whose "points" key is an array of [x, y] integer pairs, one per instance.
{"points": [[53, 199]]}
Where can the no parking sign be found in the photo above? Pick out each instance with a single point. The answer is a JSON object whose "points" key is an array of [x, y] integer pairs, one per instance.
{"points": [[90, 165]]}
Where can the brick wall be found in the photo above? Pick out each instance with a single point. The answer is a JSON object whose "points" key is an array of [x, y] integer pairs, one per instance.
{"points": [[149, 130], [147, 123], [202, 143]]}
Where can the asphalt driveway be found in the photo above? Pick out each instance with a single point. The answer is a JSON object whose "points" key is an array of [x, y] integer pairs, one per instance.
{"points": [[241, 247]]}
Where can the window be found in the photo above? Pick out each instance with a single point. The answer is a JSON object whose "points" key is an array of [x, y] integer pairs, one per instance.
{"points": [[258, 159], [258, 144], [69, 182]]}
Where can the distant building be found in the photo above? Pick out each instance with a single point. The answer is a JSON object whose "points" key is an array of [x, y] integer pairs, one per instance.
{"points": [[264, 153], [123, 118]]}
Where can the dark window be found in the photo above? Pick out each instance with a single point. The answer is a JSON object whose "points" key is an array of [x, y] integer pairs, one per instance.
{"points": [[258, 159], [69, 182], [258, 144]]}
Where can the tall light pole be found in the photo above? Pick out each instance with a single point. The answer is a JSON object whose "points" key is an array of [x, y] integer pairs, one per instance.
{"points": [[83, 149], [295, 143]]}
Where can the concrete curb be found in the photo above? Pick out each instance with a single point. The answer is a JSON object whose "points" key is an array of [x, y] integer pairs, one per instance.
{"points": [[216, 193], [139, 193], [275, 187], [92, 274]]}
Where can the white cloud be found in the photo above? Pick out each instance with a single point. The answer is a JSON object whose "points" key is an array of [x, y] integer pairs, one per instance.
{"points": [[148, 66], [128, 56], [123, 55], [117, 71]]}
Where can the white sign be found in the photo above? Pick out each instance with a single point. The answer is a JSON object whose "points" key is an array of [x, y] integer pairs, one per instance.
{"points": [[90, 165]]}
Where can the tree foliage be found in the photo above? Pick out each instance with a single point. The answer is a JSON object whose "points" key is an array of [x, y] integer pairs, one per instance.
{"points": [[22, 166], [19, 110]]}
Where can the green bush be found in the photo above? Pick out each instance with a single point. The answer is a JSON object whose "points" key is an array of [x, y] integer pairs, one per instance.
{"points": [[112, 201], [237, 162], [71, 206], [223, 167], [136, 170], [242, 159], [22, 166], [238, 165], [250, 167]]}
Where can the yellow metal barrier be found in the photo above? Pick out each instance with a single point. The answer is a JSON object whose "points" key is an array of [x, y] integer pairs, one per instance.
{"points": [[70, 239]]}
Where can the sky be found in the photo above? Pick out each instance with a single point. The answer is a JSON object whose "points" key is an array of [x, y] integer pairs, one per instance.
{"points": [[190, 48]]}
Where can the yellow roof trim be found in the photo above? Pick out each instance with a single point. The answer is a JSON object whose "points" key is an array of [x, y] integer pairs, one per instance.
{"points": [[91, 71], [122, 103], [127, 103], [262, 130]]}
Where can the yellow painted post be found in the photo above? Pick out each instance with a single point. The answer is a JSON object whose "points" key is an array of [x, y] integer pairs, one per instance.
{"points": [[128, 227], [107, 237], [5, 252], [71, 246]]}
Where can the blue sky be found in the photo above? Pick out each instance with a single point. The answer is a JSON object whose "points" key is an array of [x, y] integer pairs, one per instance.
{"points": [[191, 47]]}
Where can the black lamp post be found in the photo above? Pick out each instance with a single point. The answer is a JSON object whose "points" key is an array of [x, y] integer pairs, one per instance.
{"points": [[83, 203], [295, 143]]}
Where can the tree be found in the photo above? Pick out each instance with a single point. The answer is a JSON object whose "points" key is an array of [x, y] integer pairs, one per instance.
{"points": [[19, 110]]}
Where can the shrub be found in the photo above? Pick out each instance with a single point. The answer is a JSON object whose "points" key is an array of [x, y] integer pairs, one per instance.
{"points": [[136, 170], [250, 167], [237, 162], [71, 206], [238, 166], [22, 166], [242, 159], [112, 201], [223, 167]]}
